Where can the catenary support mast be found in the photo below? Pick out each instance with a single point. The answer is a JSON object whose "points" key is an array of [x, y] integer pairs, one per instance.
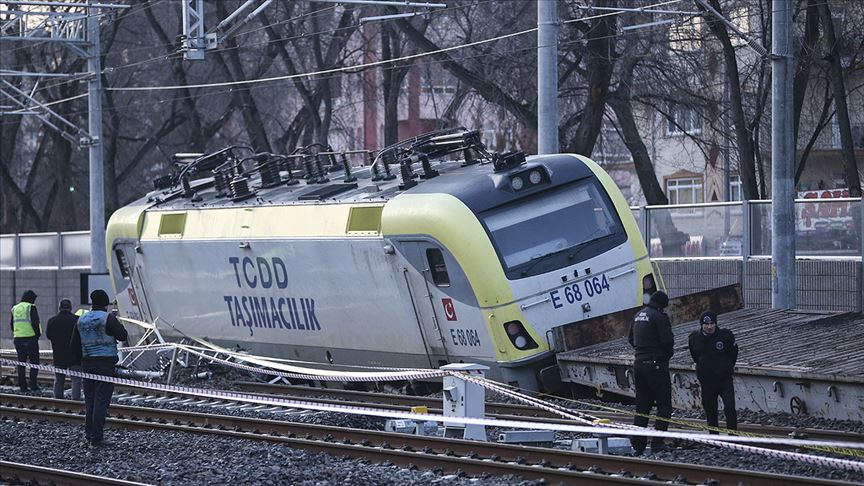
{"points": [[97, 175], [547, 77], [782, 159]]}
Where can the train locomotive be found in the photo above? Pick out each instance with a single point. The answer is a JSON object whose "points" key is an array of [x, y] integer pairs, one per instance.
{"points": [[300, 257]]}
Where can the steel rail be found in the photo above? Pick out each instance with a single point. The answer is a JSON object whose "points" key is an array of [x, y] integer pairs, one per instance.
{"points": [[536, 462], [508, 411], [30, 474], [503, 411]]}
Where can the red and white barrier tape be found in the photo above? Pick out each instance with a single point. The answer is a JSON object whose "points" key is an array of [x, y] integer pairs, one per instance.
{"points": [[368, 411], [578, 416]]}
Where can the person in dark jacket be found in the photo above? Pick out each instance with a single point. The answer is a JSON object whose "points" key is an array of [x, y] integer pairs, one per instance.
{"points": [[59, 331], [715, 352], [651, 336], [97, 333], [26, 330]]}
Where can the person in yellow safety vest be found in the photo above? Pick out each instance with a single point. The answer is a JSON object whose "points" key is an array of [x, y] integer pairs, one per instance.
{"points": [[80, 312], [26, 330]]}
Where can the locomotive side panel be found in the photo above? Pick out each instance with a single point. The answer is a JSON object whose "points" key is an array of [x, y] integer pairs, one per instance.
{"points": [[296, 292], [296, 296]]}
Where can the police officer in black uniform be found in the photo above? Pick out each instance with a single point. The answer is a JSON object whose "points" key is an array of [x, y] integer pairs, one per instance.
{"points": [[651, 336], [714, 351]]}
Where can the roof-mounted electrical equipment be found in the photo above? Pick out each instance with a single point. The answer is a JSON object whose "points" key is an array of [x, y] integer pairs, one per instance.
{"points": [[506, 161]]}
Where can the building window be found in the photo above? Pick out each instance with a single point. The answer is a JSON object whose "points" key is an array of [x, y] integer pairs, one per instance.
{"points": [[686, 35], [740, 18], [437, 81], [684, 191], [610, 147], [682, 119], [735, 188], [490, 138]]}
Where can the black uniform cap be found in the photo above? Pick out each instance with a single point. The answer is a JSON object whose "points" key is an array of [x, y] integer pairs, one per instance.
{"points": [[659, 299], [708, 317], [99, 298]]}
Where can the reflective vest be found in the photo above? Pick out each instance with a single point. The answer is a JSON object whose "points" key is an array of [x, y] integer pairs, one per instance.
{"points": [[22, 326], [95, 343], [80, 312]]}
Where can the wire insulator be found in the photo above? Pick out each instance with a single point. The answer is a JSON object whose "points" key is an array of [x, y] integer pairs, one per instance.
{"points": [[334, 166], [428, 171], [407, 174], [322, 174], [187, 188], [286, 163], [221, 182], [469, 156], [309, 167], [386, 158], [347, 168], [269, 171], [240, 188]]}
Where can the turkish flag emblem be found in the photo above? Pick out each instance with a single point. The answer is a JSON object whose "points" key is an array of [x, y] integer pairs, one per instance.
{"points": [[449, 309], [133, 299]]}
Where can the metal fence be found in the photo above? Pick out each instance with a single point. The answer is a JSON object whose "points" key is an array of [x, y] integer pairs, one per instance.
{"points": [[829, 228], [69, 249]]}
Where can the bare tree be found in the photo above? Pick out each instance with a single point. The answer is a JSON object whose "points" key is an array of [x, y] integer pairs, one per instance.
{"points": [[853, 182]]}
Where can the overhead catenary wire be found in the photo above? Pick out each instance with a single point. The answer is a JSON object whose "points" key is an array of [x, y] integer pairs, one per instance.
{"points": [[343, 68], [133, 105], [232, 89], [179, 53], [369, 64]]}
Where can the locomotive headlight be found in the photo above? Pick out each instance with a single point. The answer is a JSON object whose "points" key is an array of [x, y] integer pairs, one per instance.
{"points": [[513, 328], [535, 177], [516, 183], [519, 336]]}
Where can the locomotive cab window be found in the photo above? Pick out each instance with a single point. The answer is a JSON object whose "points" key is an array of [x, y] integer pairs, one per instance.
{"points": [[554, 228], [437, 267], [121, 263]]}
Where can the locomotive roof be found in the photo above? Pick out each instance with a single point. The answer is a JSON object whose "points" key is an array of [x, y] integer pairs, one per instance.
{"points": [[475, 185]]}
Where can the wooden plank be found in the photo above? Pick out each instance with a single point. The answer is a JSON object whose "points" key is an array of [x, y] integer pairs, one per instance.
{"points": [[611, 326], [819, 342]]}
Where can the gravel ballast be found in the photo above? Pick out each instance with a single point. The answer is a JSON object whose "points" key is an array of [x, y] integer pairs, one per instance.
{"points": [[179, 458], [176, 458]]}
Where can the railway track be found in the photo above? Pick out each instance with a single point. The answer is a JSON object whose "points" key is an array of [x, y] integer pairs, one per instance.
{"points": [[450, 455], [508, 411], [503, 411], [13, 472]]}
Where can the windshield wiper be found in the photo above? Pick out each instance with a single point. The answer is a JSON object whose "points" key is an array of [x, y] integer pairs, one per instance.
{"points": [[572, 252]]}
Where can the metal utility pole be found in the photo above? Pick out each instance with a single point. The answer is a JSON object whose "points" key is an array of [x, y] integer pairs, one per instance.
{"points": [[782, 159], [97, 172], [547, 77], [74, 25]]}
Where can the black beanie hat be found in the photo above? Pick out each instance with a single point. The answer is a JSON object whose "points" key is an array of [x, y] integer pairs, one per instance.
{"points": [[659, 299], [708, 317], [98, 298], [65, 304]]}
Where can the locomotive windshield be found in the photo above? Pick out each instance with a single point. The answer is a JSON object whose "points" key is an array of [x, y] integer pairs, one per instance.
{"points": [[557, 227]]}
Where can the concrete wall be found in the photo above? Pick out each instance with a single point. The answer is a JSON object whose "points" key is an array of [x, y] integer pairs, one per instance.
{"points": [[689, 276], [50, 286], [827, 285], [831, 285]]}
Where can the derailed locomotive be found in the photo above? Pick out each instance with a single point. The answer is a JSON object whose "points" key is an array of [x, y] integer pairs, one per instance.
{"points": [[471, 260]]}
